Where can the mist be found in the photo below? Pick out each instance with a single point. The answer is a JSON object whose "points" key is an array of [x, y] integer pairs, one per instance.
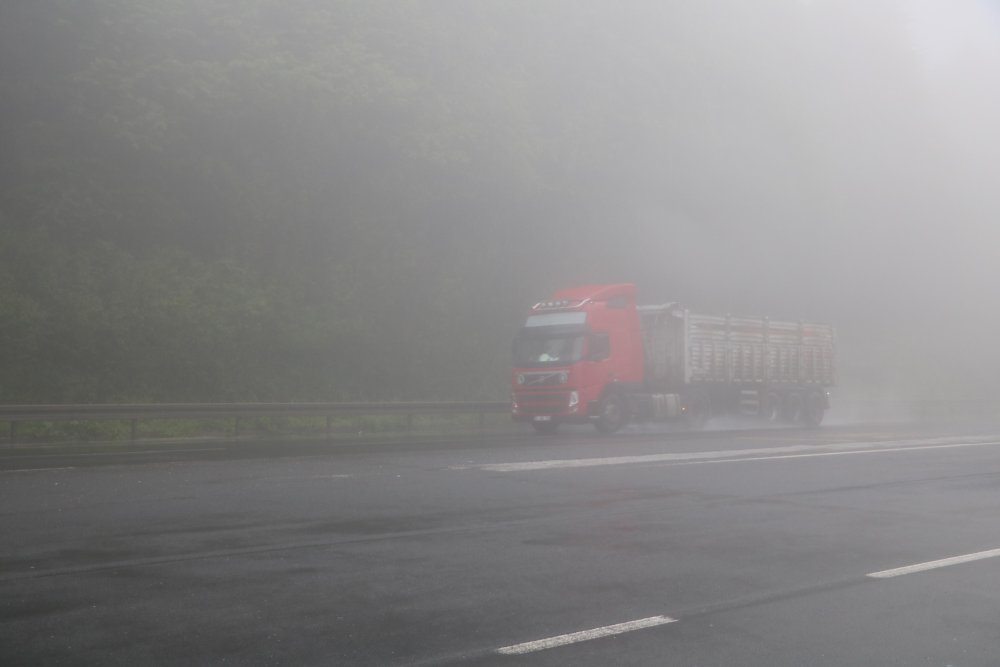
{"points": [[310, 200]]}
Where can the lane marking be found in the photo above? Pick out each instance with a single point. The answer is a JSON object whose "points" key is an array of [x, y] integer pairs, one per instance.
{"points": [[856, 451], [8, 472], [934, 564], [585, 635], [729, 456]]}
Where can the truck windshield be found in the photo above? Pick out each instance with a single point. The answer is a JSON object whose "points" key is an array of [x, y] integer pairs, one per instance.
{"points": [[547, 350]]}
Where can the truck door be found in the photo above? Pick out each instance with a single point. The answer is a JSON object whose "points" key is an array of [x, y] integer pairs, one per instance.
{"points": [[599, 369]]}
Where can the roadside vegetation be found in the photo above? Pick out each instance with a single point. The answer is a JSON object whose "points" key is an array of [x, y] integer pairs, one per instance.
{"points": [[345, 428]]}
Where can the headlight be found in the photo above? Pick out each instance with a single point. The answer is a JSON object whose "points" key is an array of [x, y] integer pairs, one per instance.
{"points": [[574, 399], [520, 378]]}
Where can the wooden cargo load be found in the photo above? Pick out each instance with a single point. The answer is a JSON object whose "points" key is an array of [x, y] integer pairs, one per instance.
{"points": [[683, 348]]}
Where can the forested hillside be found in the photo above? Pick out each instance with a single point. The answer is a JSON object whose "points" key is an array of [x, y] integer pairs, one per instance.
{"points": [[307, 200]]}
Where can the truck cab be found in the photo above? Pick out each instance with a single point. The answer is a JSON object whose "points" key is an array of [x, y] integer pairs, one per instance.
{"points": [[577, 357]]}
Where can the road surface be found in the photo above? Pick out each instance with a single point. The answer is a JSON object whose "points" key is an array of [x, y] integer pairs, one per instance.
{"points": [[852, 545]]}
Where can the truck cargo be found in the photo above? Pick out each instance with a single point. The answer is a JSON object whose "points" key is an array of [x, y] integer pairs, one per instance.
{"points": [[591, 354]]}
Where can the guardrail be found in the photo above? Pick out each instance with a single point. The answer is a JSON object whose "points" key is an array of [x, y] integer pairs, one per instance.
{"points": [[133, 413], [846, 410]]}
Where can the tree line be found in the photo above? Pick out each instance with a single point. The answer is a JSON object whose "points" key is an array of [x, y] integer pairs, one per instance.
{"points": [[306, 200]]}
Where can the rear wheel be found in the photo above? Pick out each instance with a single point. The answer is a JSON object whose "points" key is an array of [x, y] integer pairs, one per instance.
{"points": [[770, 409], [545, 428], [814, 409], [791, 408], [697, 410], [612, 415]]}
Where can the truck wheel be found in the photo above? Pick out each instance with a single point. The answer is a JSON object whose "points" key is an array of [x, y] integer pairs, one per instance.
{"points": [[813, 409], [770, 409], [545, 428], [697, 411], [791, 408], [612, 414]]}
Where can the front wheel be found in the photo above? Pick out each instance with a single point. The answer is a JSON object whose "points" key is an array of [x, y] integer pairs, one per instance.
{"points": [[612, 415], [697, 410]]}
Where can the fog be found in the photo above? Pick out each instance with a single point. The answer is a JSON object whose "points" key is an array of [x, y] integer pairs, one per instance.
{"points": [[359, 199]]}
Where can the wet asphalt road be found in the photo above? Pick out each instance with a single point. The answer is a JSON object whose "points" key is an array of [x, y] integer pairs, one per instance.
{"points": [[734, 548]]}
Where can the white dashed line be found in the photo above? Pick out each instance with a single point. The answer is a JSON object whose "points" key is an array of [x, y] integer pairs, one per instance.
{"points": [[934, 564], [585, 635]]}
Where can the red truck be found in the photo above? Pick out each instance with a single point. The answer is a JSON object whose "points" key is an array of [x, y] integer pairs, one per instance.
{"points": [[590, 354]]}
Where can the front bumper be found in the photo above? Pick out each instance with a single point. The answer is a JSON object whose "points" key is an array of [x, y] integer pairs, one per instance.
{"points": [[550, 406], [557, 419]]}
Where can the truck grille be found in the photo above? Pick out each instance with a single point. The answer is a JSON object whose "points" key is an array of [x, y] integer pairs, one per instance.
{"points": [[543, 404], [544, 379]]}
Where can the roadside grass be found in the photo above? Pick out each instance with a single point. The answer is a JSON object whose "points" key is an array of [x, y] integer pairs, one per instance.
{"points": [[340, 427]]}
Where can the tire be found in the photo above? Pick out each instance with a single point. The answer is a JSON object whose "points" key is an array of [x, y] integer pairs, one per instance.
{"points": [[545, 428], [813, 409], [791, 408], [698, 410], [613, 414], [770, 409]]}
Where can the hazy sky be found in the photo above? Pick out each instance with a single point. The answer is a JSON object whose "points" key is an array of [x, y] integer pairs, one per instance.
{"points": [[830, 160]]}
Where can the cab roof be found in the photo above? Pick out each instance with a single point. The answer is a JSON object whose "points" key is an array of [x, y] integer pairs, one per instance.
{"points": [[595, 292]]}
